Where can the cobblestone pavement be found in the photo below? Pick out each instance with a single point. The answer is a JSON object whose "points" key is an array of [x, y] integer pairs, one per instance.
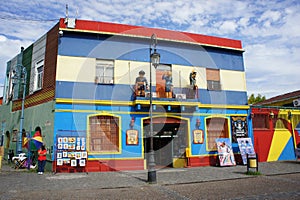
{"points": [[171, 183]]}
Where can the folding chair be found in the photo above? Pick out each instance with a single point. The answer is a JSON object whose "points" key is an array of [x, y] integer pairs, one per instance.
{"points": [[19, 163]]}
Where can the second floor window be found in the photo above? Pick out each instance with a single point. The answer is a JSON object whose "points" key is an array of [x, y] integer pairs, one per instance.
{"points": [[104, 72], [39, 74], [213, 79]]}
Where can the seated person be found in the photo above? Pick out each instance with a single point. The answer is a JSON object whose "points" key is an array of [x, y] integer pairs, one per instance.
{"points": [[141, 84]]}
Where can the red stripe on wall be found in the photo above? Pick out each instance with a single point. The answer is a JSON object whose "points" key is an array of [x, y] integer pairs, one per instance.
{"points": [[147, 32]]}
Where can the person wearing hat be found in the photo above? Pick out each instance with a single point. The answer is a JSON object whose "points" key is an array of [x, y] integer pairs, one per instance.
{"points": [[193, 78], [193, 82], [141, 84]]}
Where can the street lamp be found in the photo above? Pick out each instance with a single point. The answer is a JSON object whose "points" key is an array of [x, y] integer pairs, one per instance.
{"points": [[20, 77], [154, 60]]}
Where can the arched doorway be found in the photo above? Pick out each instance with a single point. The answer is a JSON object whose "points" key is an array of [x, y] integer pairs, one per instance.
{"points": [[170, 139]]}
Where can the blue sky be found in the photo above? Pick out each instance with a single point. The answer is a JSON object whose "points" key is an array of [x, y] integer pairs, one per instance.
{"points": [[269, 30]]}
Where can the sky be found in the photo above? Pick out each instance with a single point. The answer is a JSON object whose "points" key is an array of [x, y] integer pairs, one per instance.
{"points": [[269, 30]]}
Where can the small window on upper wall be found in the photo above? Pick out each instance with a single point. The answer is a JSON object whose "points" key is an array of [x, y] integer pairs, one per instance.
{"points": [[104, 72], [213, 79], [39, 74], [261, 121]]}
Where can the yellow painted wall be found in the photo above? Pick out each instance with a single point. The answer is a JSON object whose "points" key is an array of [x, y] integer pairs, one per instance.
{"points": [[82, 69], [75, 69], [127, 71], [182, 74], [233, 80]]}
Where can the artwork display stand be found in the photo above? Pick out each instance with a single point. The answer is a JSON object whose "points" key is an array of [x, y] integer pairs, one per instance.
{"points": [[70, 154]]}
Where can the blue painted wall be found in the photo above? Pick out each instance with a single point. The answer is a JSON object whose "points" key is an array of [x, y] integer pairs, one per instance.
{"points": [[75, 122], [137, 49], [117, 92]]}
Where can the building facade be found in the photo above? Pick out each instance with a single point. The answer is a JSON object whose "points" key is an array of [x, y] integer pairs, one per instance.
{"points": [[83, 91], [276, 127]]}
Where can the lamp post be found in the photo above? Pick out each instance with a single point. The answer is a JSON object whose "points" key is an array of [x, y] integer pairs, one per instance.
{"points": [[154, 60], [21, 77]]}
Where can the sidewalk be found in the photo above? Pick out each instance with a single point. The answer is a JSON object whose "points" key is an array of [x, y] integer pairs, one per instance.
{"points": [[11, 178]]}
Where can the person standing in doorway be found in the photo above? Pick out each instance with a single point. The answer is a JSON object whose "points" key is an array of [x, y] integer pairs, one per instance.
{"points": [[41, 159], [168, 85]]}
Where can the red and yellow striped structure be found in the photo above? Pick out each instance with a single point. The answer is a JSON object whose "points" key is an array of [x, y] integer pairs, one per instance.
{"points": [[280, 136]]}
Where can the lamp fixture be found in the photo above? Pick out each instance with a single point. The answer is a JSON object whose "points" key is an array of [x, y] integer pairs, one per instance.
{"points": [[271, 115], [155, 58]]}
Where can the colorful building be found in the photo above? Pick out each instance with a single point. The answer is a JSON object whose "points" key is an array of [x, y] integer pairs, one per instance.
{"points": [[276, 127], [82, 91]]}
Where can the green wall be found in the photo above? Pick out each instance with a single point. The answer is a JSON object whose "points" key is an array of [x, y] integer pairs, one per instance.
{"points": [[40, 115], [26, 62]]}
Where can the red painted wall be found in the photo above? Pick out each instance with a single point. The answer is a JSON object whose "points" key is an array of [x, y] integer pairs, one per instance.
{"points": [[112, 28], [102, 166]]}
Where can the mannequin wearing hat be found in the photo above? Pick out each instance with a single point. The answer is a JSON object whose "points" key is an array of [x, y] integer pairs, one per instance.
{"points": [[168, 85], [141, 84], [193, 81]]}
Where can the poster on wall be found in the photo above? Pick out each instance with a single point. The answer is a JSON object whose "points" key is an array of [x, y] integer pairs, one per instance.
{"points": [[14, 135], [59, 162], [246, 147], [82, 163], [132, 137], [198, 136], [225, 152], [239, 128]]}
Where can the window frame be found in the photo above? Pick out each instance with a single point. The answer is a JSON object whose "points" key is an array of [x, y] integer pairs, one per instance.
{"points": [[38, 65], [118, 134], [105, 64], [213, 79], [267, 121], [226, 128]]}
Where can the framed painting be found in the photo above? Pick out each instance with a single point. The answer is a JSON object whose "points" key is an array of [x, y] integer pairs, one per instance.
{"points": [[198, 136], [132, 137]]}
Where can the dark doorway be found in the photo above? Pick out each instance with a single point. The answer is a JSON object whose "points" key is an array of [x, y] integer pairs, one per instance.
{"points": [[169, 141]]}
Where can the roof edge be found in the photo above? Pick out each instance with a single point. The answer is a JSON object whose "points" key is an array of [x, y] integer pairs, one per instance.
{"points": [[145, 32]]}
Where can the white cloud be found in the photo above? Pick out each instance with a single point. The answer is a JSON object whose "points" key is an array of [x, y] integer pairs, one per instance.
{"points": [[228, 27], [3, 38]]}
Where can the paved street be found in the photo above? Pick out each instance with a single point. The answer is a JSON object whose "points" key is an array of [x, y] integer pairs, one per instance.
{"points": [[280, 180]]}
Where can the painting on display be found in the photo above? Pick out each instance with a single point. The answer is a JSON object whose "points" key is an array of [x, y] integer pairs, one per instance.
{"points": [[239, 128], [225, 152], [14, 135], [71, 151], [198, 136], [246, 147], [132, 137]]}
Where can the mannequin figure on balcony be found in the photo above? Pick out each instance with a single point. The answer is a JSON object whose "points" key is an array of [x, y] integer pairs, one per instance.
{"points": [[141, 84], [168, 85], [193, 84]]}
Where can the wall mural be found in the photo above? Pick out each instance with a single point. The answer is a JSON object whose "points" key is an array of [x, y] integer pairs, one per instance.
{"points": [[239, 128]]}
